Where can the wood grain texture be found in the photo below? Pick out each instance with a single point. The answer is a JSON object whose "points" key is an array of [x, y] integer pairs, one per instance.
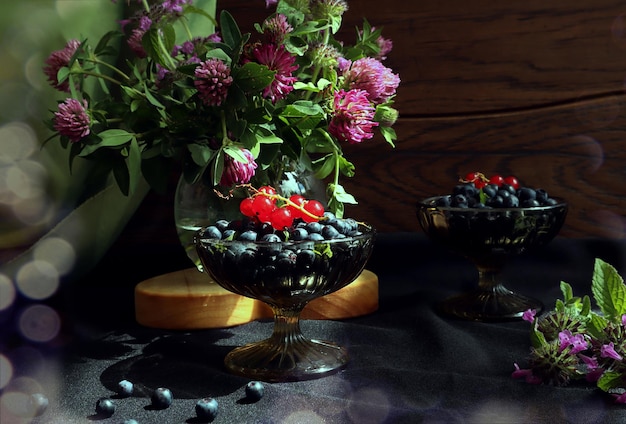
{"points": [[524, 87]]}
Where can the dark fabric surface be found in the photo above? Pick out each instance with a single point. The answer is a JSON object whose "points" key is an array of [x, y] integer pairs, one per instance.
{"points": [[408, 363]]}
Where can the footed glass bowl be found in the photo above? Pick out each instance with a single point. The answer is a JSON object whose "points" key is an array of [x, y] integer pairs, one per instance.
{"points": [[286, 275], [488, 237]]}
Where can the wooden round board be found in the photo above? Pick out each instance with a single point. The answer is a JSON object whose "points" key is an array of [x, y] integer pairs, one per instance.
{"points": [[188, 299]]}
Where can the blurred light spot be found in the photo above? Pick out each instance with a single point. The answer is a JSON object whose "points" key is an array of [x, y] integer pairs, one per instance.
{"points": [[6, 371], [7, 293], [494, 411], [39, 323], [33, 72], [26, 179], [368, 406], [18, 141], [14, 405], [592, 150], [37, 279], [58, 252], [303, 417]]}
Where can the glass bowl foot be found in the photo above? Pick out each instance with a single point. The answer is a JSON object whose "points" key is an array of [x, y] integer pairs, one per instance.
{"points": [[300, 360], [496, 304]]}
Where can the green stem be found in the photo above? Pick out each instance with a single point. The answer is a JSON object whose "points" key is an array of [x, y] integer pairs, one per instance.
{"points": [[94, 59], [97, 75]]}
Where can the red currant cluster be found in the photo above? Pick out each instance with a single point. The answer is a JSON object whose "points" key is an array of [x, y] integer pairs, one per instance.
{"points": [[266, 205], [480, 180]]}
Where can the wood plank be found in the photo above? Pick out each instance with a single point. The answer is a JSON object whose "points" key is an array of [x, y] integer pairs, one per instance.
{"points": [[574, 151], [455, 58]]}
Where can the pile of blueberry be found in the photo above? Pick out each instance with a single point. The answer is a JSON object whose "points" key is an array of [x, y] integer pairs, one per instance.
{"points": [[478, 191], [327, 228]]}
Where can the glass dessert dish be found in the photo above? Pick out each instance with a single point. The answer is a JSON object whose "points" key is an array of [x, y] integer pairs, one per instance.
{"points": [[488, 237], [286, 275]]}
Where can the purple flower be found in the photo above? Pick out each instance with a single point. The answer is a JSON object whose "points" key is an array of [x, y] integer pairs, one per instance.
{"points": [[278, 59], [371, 75], [577, 342], [213, 79], [236, 172], [620, 398], [352, 117], [624, 320], [529, 315], [71, 120], [526, 374], [269, 3], [276, 28], [57, 60], [608, 351], [174, 6]]}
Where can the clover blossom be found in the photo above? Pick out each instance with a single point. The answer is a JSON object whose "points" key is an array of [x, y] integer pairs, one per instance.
{"points": [[576, 341], [60, 59], [352, 119], [278, 59], [71, 120], [276, 28], [236, 172], [529, 315], [213, 80], [371, 75]]}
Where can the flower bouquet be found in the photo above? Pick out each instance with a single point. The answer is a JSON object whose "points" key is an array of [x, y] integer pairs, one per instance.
{"points": [[223, 106]]}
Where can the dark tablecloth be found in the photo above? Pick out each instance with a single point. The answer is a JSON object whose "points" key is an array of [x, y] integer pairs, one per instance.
{"points": [[408, 363]]}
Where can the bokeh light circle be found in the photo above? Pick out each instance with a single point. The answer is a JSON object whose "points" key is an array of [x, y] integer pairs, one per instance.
{"points": [[58, 252], [39, 323], [7, 292], [6, 371], [37, 279]]}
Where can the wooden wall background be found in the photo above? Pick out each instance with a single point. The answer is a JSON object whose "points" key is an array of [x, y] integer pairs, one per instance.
{"points": [[524, 87], [530, 88]]}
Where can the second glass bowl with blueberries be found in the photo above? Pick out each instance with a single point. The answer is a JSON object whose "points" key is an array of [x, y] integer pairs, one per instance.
{"points": [[488, 223]]}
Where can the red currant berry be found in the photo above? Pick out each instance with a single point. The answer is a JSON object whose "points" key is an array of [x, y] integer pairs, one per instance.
{"points": [[298, 200], [262, 207], [480, 183], [246, 207], [472, 177], [497, 180], [269, 190], [281, 218], [512, 181], [313, 207]]}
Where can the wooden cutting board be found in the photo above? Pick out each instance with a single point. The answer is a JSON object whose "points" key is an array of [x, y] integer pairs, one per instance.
{"points": [[189, 299]]}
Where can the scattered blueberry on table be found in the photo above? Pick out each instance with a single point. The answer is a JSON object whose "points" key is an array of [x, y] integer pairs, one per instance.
{"points": [[255, 390], [105, 407], [206, 409], [162, 398]]}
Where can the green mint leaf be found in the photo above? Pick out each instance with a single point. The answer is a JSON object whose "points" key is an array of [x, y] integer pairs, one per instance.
{"points": [[567, 291], [610, 380], [596, 325], [608, 290]]}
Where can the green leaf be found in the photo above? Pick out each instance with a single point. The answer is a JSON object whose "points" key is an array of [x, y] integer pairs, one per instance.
{"points": [[567, 291], [235, 152], [114, 138], [231, 35], [201, 154], [537, 338], [153, 101], [596, 325], [122, 176], [252, 76], [323, 166], [218, 54], [610, 380], [608, 290], [343, 196], [346, 167], [134, 164], [389, 134]]}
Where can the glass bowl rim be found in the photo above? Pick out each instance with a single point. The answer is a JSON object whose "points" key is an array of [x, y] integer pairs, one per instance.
{"points": [[427, 203]]}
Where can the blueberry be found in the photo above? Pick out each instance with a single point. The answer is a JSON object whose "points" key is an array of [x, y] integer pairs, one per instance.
{"points": [[305, 258], [526, 193], [37, 403], [162, 398], [105, 407], [495, 201], [222, 224], [130, 421], [315, 237], [212, 232], [329, 232], [313, 227], [125, 388], [511, 201], [206, 409], [490, 190], [298, 234], [248, 235], [228, 234], [255, 390], [272, 238]]}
